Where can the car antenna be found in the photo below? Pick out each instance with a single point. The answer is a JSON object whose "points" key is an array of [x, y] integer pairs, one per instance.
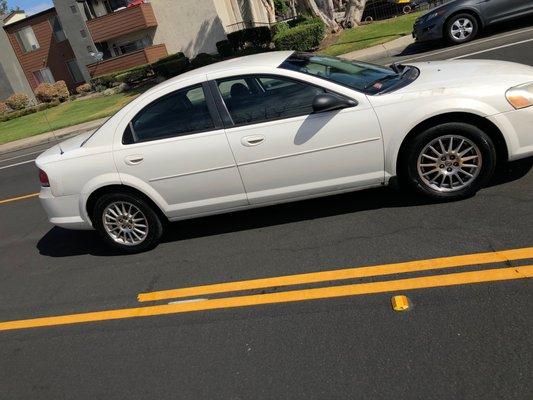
{"points": [[53, 133], [396, 67]]}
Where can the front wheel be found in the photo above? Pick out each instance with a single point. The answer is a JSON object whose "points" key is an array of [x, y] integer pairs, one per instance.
{"points": [[461, 28], [127, 222], [449, 161]]}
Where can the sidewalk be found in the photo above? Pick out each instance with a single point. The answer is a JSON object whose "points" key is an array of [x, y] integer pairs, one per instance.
{"points": [[50, 137], [385, 50]]}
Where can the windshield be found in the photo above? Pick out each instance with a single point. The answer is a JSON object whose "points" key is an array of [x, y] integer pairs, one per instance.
{"points": [[364, 77]]}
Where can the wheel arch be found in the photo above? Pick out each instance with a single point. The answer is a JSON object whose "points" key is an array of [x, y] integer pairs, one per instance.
{"points": [[471, 11], [120, 188], [482, 123]]}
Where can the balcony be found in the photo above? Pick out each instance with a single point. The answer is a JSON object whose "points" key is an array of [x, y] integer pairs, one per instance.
{"points": [[122, 22], [147, 55]]}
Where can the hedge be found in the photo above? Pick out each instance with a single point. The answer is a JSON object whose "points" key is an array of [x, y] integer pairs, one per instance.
{"points": [[258, 37], [29, 110], [203, 59], [170, 66], [225, 48], [303, 37], [128, 76]]}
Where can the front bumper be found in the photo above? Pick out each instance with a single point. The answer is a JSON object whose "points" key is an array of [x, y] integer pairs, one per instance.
{"points": [[517, 128], [63, 211], [426, 31]]}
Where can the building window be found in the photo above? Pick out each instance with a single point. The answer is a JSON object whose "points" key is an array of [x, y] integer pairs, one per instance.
{"points": [[44, 76], [83, 33], [27, 40], [74, 69], [129, 47], [74, 9], [59, 35]]}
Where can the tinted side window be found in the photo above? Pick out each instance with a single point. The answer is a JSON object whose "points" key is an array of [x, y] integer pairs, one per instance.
{"points": [[176, 114], [262, 98]]}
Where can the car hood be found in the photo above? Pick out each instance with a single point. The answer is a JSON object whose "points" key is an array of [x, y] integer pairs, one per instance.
{"points": [[468, 73]]}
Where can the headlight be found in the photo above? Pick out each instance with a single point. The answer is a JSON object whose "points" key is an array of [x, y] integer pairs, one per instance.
{"points": [[520, 96]]}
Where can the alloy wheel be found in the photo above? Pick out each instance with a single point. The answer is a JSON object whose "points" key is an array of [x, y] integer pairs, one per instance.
{"points": [[462, 29], [449, 163], [125, 223]]}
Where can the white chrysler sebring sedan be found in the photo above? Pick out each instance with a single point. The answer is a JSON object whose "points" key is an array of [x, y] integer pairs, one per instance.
{"points": [[284, 126]]}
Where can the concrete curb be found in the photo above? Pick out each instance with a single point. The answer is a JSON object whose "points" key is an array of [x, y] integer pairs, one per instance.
{"points": [[385, 50], [51, 137]]}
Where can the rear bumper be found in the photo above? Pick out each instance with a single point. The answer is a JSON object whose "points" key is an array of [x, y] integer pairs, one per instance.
{"points": [[517, 127], [63, 211]]}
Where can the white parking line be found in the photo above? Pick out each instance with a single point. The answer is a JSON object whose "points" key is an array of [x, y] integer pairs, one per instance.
{"points": [[448, 49], [494, 48], [17, 164], [21, 156]]}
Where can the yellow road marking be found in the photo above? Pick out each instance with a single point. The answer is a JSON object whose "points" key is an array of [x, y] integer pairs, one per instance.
{"points": [[27, 196], [342, 274], [462, 278]]}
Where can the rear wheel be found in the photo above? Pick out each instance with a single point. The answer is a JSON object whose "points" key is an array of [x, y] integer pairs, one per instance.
{"points": [[449, 161], [461, 28], [127, 222]]}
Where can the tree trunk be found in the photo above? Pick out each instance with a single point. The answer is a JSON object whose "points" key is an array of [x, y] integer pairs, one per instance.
{"points": [[271, 10], [354, 13], [317, 12], [292, 5]]}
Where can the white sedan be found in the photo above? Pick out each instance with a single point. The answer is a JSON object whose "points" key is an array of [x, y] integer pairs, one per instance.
{"points": [[284, 126]]}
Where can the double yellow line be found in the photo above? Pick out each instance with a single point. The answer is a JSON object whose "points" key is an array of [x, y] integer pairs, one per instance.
{"points": [[440, 280]]}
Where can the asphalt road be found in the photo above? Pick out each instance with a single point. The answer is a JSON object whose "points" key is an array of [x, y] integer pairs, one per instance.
{"points": [[458, 342]]}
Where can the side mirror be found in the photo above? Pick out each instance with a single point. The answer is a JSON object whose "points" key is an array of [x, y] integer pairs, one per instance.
{"points": [[329, 102]]}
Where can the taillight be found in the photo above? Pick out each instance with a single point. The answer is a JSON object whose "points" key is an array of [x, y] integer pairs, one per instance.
{"points": [[43, 178]]}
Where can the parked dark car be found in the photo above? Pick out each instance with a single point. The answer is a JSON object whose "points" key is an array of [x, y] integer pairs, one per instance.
{"points": [[459, 21]]}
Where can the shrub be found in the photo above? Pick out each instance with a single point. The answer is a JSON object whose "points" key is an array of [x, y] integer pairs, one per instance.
{"points": [[103, 80], [84, 88], [203, 59], [4, 108], [225, 48], [172, 67], [17, 101], [303, 37], [280, 27], [257, 37], [109, 92], [133, 75], [26, 111], [45, 92], [61, 91], [175, 56]]}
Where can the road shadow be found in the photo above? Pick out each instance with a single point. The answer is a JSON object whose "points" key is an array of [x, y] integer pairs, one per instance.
{"points": [[60, 242], [426, 47]]}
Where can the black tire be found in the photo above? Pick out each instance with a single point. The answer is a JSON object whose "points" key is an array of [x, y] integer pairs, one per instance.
{"points": [[410, 172], [461, 17], [153, 222]]}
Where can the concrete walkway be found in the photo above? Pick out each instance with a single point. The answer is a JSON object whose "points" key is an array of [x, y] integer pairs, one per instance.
{"points": [[52, 136]]}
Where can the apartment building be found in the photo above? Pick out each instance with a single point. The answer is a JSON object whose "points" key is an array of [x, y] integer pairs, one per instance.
{"points": [[43, 50], [80, 39]]}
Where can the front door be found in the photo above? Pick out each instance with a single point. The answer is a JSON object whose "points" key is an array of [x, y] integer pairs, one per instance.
{"points": [[284, 150]]}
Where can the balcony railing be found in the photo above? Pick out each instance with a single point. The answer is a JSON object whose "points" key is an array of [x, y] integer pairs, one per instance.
{"points": [[147, 55], [122, 22]]}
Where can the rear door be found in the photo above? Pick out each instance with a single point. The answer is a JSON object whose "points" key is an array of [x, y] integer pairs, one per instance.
{"points": [[175, 150], [283, 150]]}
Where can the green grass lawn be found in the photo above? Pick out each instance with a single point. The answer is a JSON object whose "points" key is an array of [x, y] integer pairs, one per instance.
{"points": [[370, 35], [66, 114]]}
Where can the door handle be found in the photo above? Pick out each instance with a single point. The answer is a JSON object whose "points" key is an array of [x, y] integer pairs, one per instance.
{"points": [[254, 140], [134, 159]]}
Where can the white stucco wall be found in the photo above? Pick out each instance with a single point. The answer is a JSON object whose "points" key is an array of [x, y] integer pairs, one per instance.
{"points": [[190, 26]]}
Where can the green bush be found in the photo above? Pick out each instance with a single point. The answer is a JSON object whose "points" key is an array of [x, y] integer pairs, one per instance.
{"points": [[17, 101], [225, 48], [203, 59], [255, 37], [171, 66], [26, 111], [280, 27], [303, 37], [132, 75]]}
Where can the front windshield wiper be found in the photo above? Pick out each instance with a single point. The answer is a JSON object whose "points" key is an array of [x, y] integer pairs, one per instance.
{"points": [[382, 80]]}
